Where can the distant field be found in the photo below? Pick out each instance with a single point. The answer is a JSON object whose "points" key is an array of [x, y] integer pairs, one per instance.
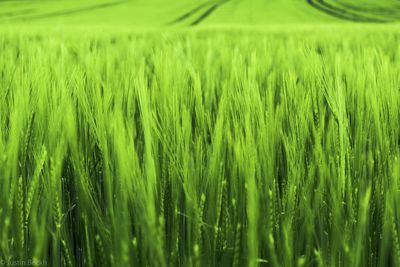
{"points": [[199, 133], [193, 12]]}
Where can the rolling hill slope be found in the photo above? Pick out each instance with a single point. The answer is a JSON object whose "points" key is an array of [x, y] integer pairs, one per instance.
{"points": [[190, 12]]}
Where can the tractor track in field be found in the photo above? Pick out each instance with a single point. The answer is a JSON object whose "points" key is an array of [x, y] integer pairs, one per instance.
{"points": [[190, 13], [24, 2], [16, 13], [368, 9], [12, 1], [64, 12], [210, 7], [390, 11], [342, 13], [208, 12]]}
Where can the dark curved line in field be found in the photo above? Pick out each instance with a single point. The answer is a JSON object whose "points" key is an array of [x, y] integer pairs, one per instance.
{"points": [[341, 13], [354, 15], [366, 8], [70, 12], [30, 2], [12, 1], [16, 13], [208, 12], [190, 13], [385, 11]]}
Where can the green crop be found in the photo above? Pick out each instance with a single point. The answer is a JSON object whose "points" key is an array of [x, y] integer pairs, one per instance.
{"points": [[200, 148]]}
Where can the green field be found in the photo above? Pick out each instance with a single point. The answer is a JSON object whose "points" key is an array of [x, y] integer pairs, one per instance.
{"points": [[162, 13], [200, 133]]}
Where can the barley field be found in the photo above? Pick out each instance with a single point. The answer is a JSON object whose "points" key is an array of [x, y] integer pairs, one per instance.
{"points": [[199, 140]]}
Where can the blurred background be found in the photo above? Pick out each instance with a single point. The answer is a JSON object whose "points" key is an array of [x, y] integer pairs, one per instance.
{"points": [[161, 13]]}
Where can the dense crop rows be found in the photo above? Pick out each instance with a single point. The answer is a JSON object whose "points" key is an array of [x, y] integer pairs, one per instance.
{"points": [[200, 149]]}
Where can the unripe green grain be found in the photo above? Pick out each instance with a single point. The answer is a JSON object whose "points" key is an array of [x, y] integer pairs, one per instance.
{"points": [[34, 182]]}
